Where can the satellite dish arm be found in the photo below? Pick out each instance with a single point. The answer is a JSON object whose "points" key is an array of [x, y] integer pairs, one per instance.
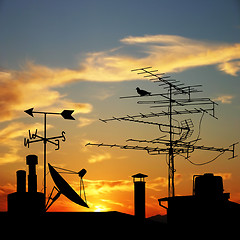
{"points": [[82, 188], [53, 199]]}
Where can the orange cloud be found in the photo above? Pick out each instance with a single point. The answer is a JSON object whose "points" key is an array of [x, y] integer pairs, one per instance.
{"points": [[231, 68], [99, 158], [175, 53], [31, 87], [225, 176], [85, 121], [162, 182], [7, 188], [94, 187], [9, 139], [4, 191], [224, 99]]}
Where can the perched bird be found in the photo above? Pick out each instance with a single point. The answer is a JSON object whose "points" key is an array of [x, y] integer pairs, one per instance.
{"points": [[142, 92]]}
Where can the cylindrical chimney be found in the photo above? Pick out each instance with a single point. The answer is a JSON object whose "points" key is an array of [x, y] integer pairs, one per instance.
{"points": [[139, 195], [21, 181], [32, 161]]}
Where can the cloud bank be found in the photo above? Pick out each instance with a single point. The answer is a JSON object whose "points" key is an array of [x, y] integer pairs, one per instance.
{"points": [[36, 85]]}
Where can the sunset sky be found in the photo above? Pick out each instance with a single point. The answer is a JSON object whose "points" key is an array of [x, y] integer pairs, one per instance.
{"points": [[78, 54]]}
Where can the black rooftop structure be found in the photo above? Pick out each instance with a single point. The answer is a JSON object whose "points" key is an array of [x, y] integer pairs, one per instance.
{"points": [[139, 195], [140, 176]]}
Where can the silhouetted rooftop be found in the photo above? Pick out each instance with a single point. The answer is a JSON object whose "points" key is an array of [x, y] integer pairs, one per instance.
{"points": [[79, 221]]}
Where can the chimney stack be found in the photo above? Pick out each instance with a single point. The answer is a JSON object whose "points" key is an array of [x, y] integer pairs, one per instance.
{"points": [[32, 161], [139, 195], [31, 202], [21, 181]]}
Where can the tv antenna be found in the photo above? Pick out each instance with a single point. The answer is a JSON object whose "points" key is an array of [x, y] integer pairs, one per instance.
{"points": [[177, 98], [34, 137]]}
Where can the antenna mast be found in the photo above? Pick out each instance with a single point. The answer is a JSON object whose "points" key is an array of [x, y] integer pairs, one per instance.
{"points": [[170, 100]]}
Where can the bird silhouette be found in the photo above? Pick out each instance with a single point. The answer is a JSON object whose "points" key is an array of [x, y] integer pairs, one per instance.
{"points": [[142, 92]]}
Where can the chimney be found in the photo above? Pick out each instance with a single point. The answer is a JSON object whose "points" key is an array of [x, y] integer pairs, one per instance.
{"points": [[31, 202], [32, 161], [21, 181], [139, 195]]}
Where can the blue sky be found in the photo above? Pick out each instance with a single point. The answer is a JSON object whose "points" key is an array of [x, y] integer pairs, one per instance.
{"points": [[48, 30], [60, 54]]}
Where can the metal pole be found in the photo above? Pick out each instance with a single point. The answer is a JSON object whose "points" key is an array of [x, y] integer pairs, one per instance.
{"points": [[171, 190], [45, 157]]}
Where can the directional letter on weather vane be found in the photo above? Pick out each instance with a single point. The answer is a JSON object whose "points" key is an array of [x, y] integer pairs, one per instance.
{"points": [[34, 136]]}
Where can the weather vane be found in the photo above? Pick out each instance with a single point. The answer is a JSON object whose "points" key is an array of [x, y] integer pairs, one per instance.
{"points": [[34, 137], [178, 132]]}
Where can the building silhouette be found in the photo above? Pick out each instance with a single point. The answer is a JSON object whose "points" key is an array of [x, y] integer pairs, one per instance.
{"points": [[31, 202], [207, 206]]}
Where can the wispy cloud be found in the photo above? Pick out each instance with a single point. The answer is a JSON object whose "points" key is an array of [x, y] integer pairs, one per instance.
{"points": [[225, 99], [104, 94], [161, 182], [9, 139], [112, 202], [99, 157], [175, 53], [231, 68], [106, 186], [156, 39], [83, 122], [225, 175], [95, 187]]}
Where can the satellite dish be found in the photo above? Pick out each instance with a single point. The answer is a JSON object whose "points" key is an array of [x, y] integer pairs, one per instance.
{"points": [[64, 188]]}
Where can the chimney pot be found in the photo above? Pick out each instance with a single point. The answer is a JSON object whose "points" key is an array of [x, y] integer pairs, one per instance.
{"points": [[21, 181], [32, 161], [139, 195]]}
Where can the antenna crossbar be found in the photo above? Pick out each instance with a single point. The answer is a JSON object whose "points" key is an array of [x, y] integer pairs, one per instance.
{"points": [[182, 100], [153, 150], [151, 123], [186, 145], [150, 95], [161, 114], [150, 150], [156, 150]]}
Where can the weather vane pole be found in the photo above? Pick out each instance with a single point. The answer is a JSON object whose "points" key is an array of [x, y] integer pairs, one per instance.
{"points": [[66, 114]]}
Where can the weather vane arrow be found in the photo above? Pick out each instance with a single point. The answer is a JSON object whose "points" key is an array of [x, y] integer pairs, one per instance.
{"points": [[29, 111], [66, 114]]}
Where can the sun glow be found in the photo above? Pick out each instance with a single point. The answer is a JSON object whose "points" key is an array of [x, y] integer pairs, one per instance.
{"points": [[101, 208]]}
